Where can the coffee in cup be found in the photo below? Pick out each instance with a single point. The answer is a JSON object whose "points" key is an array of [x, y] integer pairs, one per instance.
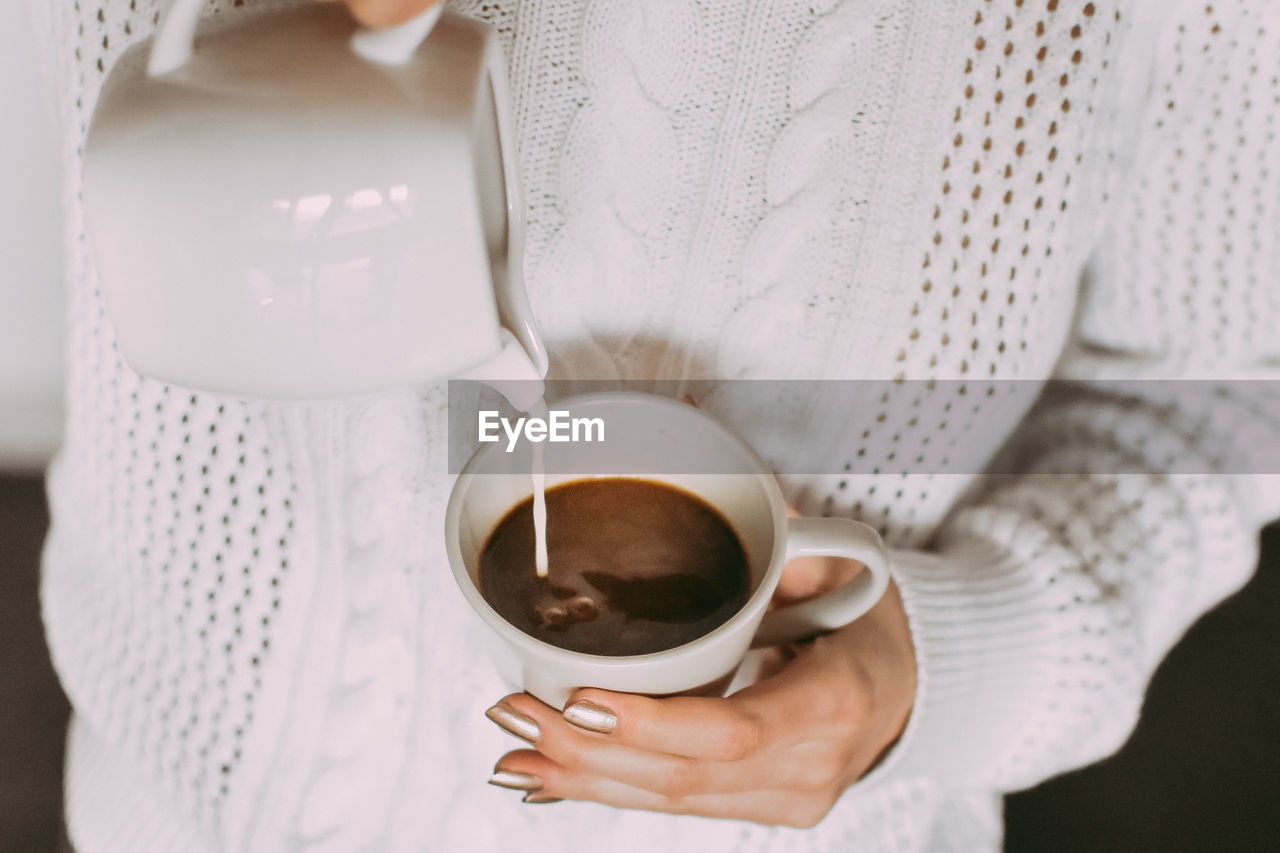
{"points": [[635, 566]]}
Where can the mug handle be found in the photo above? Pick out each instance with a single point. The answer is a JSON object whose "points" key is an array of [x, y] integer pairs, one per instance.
{"points": [[828, 537], [175, 37]]}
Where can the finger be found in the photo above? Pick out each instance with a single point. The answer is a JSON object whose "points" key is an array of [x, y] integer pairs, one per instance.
{"points": [[693, 727], [387, 13], [588, 752], [820, 693], [656, 772], [812, 766], [760, 806], [661, 772]]}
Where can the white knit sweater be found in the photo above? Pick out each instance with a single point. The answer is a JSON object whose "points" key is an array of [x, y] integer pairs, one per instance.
{"points": [[249, 604]]}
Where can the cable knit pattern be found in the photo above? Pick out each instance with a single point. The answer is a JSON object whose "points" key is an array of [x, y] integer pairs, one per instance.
{"points": [[835, 116], [249, 604], [637, 63], [367, 712]]}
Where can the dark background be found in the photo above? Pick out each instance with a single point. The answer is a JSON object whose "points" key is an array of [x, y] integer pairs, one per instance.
{"points": [[1201, 773]]}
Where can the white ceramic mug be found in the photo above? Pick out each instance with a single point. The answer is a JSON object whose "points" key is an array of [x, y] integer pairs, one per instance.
{"points": [[658, 439]]}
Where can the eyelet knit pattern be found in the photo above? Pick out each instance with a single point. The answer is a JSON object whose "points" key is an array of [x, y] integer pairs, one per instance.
{"points": [[249, 604], [190, 507], [1196, 213]]}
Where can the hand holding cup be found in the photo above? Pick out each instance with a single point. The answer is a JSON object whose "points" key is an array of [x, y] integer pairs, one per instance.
{"points": [[780, 751]]}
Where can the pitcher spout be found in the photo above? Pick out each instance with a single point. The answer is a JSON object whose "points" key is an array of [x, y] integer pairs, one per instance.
{"points": [[512, 372]]}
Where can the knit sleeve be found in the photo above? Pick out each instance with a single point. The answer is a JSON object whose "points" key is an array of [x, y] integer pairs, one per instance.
{"points": [[1129, 500], [1052, 596]]}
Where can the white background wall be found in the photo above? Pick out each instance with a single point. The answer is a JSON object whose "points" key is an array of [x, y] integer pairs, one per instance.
{"points": [[31, 291]]}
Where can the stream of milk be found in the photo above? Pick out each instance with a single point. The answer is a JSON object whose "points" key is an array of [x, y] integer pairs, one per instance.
{"points": [[539, 475], [521, 395]]}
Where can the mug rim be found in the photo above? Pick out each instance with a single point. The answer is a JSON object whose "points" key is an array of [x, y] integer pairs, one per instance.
{"points": [[752, 610]]}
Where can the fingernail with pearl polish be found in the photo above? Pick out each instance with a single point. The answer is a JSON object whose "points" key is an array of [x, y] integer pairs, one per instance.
{"points": [[590, 716], [538, 799], [515, 781], [513, 722]]}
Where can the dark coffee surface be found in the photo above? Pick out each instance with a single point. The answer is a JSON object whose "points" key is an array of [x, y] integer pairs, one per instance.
{"points": [[634, 567]]}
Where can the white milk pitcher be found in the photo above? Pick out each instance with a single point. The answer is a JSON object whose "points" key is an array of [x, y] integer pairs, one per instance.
{"points": [[293, 208]]}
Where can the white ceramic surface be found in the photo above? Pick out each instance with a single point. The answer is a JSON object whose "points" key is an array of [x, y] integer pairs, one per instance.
{"points": [[283, 214], [660, 439]]}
